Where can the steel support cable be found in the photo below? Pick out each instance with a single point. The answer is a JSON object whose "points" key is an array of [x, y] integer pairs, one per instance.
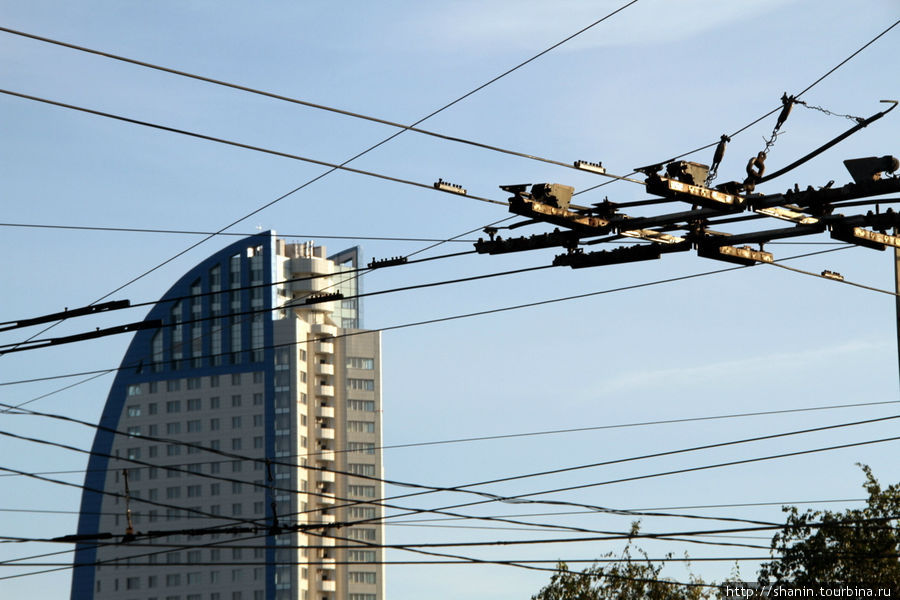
{"points": [[255, 286], [456, 317], [227, 233], [371, 148], [771, 112], [522, 498], [292, 303], [209, 138], [298, 101], [504, 436], [351, 502], [517, 499]]}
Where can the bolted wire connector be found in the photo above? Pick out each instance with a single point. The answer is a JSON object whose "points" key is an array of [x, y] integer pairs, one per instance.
{"points": [[319, 298], [446, 186], [387, 262], [596, 167]]}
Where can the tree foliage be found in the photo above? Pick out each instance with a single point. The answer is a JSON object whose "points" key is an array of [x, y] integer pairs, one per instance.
{"points": [[854, 546], [627, 579]]}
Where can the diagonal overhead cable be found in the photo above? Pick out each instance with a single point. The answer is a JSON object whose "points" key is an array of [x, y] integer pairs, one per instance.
{"points": [[307, 103], [771, 112], [363, 152]]}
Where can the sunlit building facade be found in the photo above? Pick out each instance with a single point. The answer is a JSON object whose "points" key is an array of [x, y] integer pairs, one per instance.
{"points": [[256, 406]]}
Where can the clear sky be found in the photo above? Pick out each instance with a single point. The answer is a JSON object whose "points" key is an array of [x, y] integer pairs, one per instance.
{"points": [[656, 80]]}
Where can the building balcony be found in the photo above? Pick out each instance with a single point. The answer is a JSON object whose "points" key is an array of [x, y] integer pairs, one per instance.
{"points": [[325, 412], [326, 476], [325, 369], [324, 328], [327, 585], [325, 390], [326, 456], [325, 518], [326, 498], [325, 433], [323, 347]]}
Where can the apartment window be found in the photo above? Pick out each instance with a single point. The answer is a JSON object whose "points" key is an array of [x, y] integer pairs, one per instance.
{"points": [[193, 491], [134, 390], [257, 376], [259, 508], [132, 583], [235, 443], [214, 489], [365, 491], [194, 426], [173, 492], [362, 469], [362, 512], [214, 403], [257, 399], [235, 487], [215, 444], [361, 533], [362, 447], [235, 422], [173, 450], [193, 556], [173, 406], [151, 581], [257, 442], [361, 426], [214, 424], [173, 579], [173, 385], [361, 596], [364, 405], [235, 553], [235, 400], [134, 431], [153, 387], [151, 408], [134, 410], [366, 385], [152, 516], [257, 420], [213, 381], [195, 468], [361, 577], [153, 451], [215, 509], [133, 453], [152, 473], [215, 468], [172, 474], [367, 556], [193, 404], [236, 509], [235, 379], [193, 578], [355, 362], [153, 429], [173, 428], [235, 466]]}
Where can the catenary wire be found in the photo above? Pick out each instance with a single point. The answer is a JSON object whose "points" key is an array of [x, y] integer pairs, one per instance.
{"points": [[771, 112], [464, 315], [298, 101], [363, 152]]}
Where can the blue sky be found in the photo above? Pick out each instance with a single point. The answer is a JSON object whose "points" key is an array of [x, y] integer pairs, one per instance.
{"points": [[656, 80]]}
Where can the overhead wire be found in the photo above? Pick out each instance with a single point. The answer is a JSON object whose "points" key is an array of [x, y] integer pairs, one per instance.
{"points": [[460, 316], [367, 150], [768, 114], [301, 102]]}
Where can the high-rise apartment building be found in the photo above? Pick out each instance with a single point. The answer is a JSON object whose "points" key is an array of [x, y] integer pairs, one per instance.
{"points": [[256, 403]]}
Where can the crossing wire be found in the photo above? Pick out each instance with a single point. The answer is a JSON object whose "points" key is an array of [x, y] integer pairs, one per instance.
{"points": [[366, 151]]}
